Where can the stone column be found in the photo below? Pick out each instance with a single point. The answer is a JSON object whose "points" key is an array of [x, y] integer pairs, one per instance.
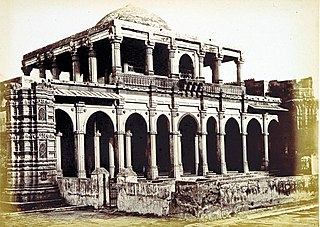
{"points": [[97, 149], [111, 158], [76, 76], [244, 144], [172, 66], [79, 141], [55, 71], [92, 65], [120, 137], [196, 153], [128, 149], [196, 66], [179, 152], [42, 70], [201, 58], [265, 143], [216, 69], [239, 62], [175, 168], [153, 169], [221, 144], [58, 154], [203, 165], [116, 55], [149, 58]]}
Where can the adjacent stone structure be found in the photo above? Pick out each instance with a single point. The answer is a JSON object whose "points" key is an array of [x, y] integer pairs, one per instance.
{"points": [[126, 100]]}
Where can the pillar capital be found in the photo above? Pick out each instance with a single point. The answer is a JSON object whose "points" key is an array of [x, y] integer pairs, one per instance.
{"points": [[97, 134], [128, 133], [218, 57], [149, 44], [59, 134], [92, 52]]}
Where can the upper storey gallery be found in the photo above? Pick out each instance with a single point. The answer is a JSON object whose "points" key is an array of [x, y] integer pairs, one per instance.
{"points": [[130, 40]]}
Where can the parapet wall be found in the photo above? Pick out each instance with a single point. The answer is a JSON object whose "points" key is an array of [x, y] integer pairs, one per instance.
{"points": [[213, 198]]}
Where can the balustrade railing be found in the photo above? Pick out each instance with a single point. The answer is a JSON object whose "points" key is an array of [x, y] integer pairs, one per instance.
{"points": [[161, 82]]}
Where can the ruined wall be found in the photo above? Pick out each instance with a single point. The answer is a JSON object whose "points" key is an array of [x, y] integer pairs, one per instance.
{"points": [[92, 191], [145, 198], [219, 199], [213, 198]]}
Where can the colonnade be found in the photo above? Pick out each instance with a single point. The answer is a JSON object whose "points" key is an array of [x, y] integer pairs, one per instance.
{"points": [[120, 144], [116, 64]]}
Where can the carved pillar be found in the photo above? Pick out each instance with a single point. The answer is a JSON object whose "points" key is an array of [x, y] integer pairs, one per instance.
{"points": [[58, 154], [239, 62], [128, 149], [116, 55], [76, 76], [221, 143], [244, 145], [175, 168], [216, 68], [120, 137], [152, 170], [172, 67], [79, 141], [97, 149], [42, 70], [179, 152], [111, 158], [196, 154], [55, 71], [265, 143], [201, 58], [149, 58], [203, 165], [92, 65]]}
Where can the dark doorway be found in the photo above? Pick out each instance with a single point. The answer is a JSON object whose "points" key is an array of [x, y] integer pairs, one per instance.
{"points": [[254, 145], [188, 129], [101, 122], [65, 126], [138, 127], [233, 146], [213, 165], [163, 146], [276, 155]]}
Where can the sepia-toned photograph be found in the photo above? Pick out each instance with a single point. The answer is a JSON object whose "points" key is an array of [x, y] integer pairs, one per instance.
{"points": [[159, 113]]}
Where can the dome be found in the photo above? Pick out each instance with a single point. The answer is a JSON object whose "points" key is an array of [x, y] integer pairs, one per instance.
{"points": [[136, 15]]}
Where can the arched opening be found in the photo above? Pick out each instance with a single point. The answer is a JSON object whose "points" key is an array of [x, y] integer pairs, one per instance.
{"points": [[186, 66], [276, 158], [138, 127], [98, 122], [233, 146], [188, 129], [213, 164], [65, 126], [254, 145], [163, 145]]}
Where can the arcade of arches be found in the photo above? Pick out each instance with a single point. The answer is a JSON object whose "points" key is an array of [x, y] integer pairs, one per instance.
{"points": [[154, 149]]}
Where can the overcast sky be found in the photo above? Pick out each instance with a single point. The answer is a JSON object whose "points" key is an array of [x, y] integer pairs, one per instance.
{"points": [[280, 38]]}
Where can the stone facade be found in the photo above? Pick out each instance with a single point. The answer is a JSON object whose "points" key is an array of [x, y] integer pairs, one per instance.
{"points": [[127, 101]]}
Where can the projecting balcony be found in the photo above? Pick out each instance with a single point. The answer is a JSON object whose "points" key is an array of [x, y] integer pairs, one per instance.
{"points": [[137, 81]]}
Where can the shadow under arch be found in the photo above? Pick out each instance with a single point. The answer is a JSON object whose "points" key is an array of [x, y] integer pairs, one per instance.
{"points": [[188, 128], [212, 158], [186, 66], [255, 145], [276, 154], [233, 146], [102, 123], [163, 145], [65, 126], [138, 127]]}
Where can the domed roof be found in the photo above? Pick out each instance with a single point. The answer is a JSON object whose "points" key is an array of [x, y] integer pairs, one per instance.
{"points": [[136, 15]]}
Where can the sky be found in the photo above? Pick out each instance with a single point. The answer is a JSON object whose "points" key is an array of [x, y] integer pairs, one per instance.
{"points": [[279, 38]]}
